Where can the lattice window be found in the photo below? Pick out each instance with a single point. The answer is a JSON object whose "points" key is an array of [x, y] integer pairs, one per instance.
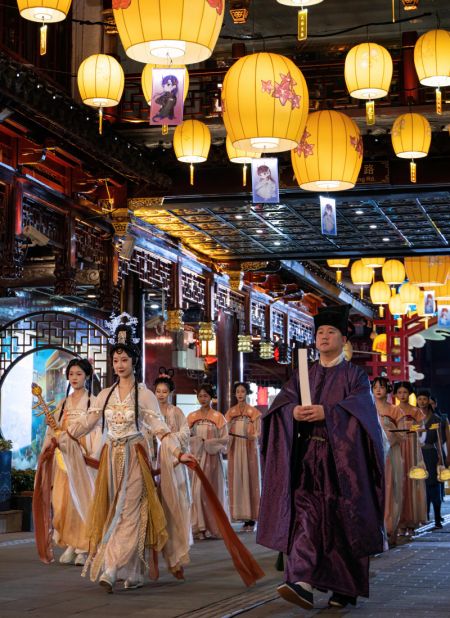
{"points": [[194, 289], [278, 321], [300, 331], [231, 302], [53, 329], [151, 269], [258, 314], [46, 221], [91, 246]]}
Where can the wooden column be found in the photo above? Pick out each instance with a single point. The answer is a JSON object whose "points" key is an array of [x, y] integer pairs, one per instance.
{"points": [[229, 366]]}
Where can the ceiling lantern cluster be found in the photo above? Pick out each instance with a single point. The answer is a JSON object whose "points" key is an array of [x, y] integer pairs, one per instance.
{"points": [[182, 30], [329, 155], [368, 75], [265, 103]]}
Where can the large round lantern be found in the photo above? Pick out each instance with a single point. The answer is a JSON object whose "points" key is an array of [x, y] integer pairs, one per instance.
{"points": [[265, 103], [428, 270], [182, 30], [411, 138], [380, 294], [393, 273], [147, 79], [410, 294], [373, 262], [338, 263], [361, 275], [100, 82], [397, 307], [191, 142], [368, 74], [243, 157], [329, 155], [432, 61], [44, 12]]}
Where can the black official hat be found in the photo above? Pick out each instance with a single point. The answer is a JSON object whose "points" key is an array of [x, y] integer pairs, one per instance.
{"points": [[333, 316]]}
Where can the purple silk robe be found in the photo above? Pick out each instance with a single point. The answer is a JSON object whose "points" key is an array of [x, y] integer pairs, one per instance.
{"points": [[354, 442]]}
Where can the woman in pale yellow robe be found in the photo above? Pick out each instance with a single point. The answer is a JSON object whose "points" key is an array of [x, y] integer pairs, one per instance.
{"points": [[209, 438], [390, 416], [414, 509], [244, 485], [175, 488], [72, 483]]}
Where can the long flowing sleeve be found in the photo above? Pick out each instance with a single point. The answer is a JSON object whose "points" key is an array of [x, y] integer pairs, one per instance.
{"points": [[216, 445], [183, 433], [153, 421]]}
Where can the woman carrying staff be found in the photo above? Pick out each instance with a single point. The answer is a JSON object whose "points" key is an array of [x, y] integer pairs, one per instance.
{"points": [[175, 489], [390, 416], [126, 517], [209, 438], [414, 508], [244, 485], [64, 482]]}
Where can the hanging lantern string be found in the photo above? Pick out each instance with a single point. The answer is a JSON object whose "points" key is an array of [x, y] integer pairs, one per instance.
{"points": [[43, 38], [244, 175], [191, 174], [100, 120]]}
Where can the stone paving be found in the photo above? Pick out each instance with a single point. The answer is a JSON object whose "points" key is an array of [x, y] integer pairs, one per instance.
{"points": [[411, 580]]}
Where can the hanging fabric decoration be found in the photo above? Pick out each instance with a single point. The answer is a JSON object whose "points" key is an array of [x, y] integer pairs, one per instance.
{"points": [[328, 216], [44, 12], [166, 90], [265, 189]]}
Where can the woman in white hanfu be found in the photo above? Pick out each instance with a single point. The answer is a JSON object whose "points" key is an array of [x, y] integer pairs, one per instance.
{"points": [[244, 486], [209, 438], [175, 496], [126, 517]]}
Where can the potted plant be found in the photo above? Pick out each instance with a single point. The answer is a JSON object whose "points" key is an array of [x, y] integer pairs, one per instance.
{"points": [[5, 473], [22, 484]]}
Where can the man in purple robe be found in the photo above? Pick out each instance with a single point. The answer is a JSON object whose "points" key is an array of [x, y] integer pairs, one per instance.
{"points": [[322, 499]]}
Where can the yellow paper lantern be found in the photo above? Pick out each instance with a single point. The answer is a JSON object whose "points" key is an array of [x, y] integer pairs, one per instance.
{"points": [[241, 156], [185, 30], [147, 79], [373, 262], [393, 272], [368, 74], [411, 139], [329, 154], [432, 61], [191, 142], [100, 82], [431, 270], [409, 294], [379, 345], [265, 103], [44, 12], [397, 307], [338, 263], [361, 275], [380, 294]]}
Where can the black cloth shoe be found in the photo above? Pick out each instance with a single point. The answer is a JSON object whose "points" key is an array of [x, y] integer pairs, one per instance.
{"points": [[341, 600], [294, 593], [438, 526]]}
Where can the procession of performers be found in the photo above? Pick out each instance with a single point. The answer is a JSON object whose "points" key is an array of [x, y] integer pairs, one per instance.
{"points": [[328, 477]]}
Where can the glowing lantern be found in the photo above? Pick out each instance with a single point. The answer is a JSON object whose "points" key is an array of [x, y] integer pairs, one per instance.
{"points": [[410, 294], [431, 270], [380, 294], [432, 61], [241, 156], [379, 345], [185, 30], [100, 82], [44, 12], [191, 142], [361, 275], [397, 307], [338, 263], [393, 273], [329, 154], [265, 103], [368, 74], [373, 262], [411, 138]]}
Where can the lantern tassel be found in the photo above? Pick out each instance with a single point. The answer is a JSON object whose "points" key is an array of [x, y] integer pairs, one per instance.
{"points": [[438, 101], [370, 112], [100, 121], [302, 32], [361, 293], [381, 311], [426, 323], [399, 322], [164, 129], [338, 276], [393, 11], [191, 174], [412, 171], [43, 39], [244, 175]]}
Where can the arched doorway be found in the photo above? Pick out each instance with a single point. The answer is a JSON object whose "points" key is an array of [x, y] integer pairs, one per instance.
{"points": [[37, 348]]}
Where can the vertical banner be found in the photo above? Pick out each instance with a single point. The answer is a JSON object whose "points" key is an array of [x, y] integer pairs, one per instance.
{"points": [[265, 181], [303, 376], [328, 216], [167, 96], [444, 316], [429, 304]]}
